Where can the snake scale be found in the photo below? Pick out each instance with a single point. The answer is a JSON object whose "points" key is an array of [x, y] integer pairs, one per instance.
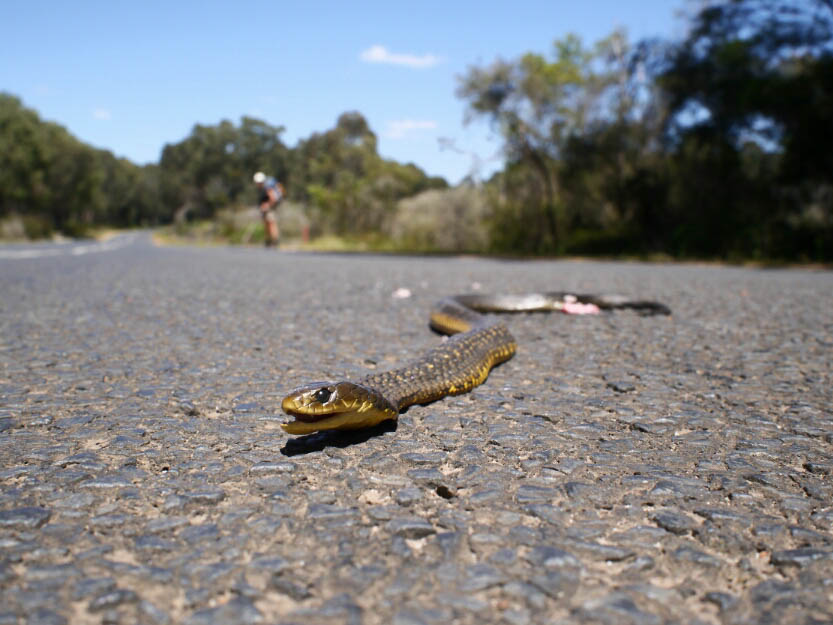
{"points": [[477, 343]]}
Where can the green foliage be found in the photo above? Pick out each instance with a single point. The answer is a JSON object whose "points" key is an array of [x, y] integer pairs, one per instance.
{"points": [[541, 107], [351, 189], [213, 166], [54, 181], [442, 220], [717, 146], [751, 121]]}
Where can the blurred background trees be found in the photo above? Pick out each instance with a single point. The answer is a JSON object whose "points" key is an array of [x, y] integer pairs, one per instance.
{"points": [[717, 145], [49, 180], [714, 146]]}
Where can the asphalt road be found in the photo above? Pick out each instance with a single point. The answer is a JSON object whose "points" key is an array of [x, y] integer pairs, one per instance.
{"points": [[619, 469]]}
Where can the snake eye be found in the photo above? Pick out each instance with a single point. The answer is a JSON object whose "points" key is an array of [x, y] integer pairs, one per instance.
{"points": [[321, 395]]}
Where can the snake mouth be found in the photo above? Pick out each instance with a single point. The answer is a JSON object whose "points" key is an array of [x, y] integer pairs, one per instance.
{"points": [[304, 422], [300, 411], [305, 417], [307, 424]]}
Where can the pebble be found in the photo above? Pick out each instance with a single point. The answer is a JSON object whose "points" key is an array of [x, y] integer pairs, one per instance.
{"points": [[410, 527], [29, 517], [674, 522], [112, 598], [799, 557]]}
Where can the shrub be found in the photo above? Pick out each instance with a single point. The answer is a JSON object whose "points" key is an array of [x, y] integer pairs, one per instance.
{"points": [[448, 220]]}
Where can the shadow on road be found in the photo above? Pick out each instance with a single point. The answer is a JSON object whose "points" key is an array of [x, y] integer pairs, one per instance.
{"points": [[335, 438]]}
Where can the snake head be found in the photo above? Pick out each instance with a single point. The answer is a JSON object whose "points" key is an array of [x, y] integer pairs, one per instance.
{"points": [[335, 406]]}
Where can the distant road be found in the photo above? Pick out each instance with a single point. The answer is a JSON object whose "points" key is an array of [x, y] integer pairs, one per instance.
{"points": [[68, 248]]}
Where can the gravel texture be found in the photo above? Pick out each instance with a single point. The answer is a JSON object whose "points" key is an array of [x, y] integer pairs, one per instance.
{"points": [[619, 469]]}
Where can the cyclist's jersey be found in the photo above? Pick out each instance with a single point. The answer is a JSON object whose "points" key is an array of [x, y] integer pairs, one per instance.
{"points": [[271, 183]]}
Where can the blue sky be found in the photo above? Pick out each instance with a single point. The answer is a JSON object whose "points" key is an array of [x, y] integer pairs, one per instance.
{"points": [[133, 76]]}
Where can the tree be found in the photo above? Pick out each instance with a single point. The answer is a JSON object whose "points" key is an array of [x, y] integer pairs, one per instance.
{"points": [[534, 105], [50, 178], [756, 71], [544, 110], [342, 175]]}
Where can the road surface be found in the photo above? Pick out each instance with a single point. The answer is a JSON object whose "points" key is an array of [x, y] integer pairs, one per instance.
{"points": [[619, 469]]}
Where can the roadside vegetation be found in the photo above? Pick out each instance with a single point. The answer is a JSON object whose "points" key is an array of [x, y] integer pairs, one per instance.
{"points": [[714, 146]]}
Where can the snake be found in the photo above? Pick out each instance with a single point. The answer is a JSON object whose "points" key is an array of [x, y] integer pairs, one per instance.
{"points": [[477, 342]]}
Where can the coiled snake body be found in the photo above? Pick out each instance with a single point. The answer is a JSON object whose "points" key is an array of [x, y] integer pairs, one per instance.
{"points": [[479, 342]]}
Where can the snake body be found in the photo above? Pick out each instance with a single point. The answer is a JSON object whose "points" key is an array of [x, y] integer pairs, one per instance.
{"points": [[477, 343]]}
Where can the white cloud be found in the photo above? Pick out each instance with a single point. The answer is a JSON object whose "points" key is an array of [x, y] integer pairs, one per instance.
{"points": [[397, 129], [380, 54], [102, 114]]}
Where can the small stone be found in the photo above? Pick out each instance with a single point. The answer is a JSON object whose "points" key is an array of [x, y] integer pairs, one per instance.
{"points": [[50, 572], [798, 557], [617, 608], [107, 482], [197, 533], [602, 553], [273, 564], [239, 610], [435, 458], [381, 513], [7, 574], [768, 590], [556, 584], [45, 616], [525, 535], [268, 468], [409, 617], [153, 614], [462, 602], [93, 586], [516, 617], [547, 512], [112, 598], [432, 478], [621, 387], [485, 496], [820, 468], [724, 601], [208, 497], [481, 577], [289, 588], [330, 512], [24, 518], [689, 554], [166, 524], [552, 558], [577, 490], [719, 514], [408, 496], [153, 543], [535, 494], [412, 527], [109, 520], [450, 543], [674, 522], [642, 563]]}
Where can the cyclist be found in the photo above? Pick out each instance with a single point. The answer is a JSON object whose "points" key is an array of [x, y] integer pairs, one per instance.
{"points": [[271, 193]]}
